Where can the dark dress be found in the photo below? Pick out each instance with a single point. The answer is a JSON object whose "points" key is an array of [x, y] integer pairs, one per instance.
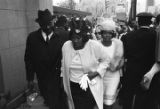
{"points": [[139, 51], [44, 59]]}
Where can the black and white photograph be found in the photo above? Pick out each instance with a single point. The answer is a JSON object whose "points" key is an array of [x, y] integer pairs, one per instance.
{"points": [[79, 54]]}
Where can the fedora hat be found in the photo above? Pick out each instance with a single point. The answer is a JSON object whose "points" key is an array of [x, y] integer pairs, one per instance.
{"points": [[144, 18], [145, 14], [44, 16]]}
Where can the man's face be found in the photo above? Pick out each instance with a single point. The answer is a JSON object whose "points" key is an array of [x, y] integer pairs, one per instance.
{"points": [[124, 28], [46, 26]]}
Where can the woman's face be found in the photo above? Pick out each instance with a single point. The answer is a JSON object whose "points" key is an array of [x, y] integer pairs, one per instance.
{"points": [[77, 42], [106, 35], [98, 34], [124, 28]]}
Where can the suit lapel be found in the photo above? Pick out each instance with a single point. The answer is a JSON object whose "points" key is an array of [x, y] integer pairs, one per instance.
{"points": [[40, 35]]}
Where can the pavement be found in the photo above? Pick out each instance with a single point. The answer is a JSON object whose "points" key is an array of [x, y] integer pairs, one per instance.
{"points": [[38, 104]]}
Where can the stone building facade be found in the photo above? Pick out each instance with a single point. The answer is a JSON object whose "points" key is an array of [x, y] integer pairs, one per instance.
{"points": [[17, 19]]}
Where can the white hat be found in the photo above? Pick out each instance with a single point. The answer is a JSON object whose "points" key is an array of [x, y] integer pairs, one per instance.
{"points": [[108, 25]]}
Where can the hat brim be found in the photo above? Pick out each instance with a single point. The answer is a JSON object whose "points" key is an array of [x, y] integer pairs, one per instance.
{"points": [[145, 14], [39, 20]]}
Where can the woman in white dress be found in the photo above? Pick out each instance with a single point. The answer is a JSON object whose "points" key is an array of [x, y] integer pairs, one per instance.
{"points": [[114, 48]]}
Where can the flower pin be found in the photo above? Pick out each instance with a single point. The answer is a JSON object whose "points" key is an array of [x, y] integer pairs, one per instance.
{"points": [[77, 31], [77, 19], [88, 33]]}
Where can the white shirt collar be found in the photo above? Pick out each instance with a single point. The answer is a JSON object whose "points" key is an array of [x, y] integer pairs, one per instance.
{"points": [[144, 27], [45, 36]]}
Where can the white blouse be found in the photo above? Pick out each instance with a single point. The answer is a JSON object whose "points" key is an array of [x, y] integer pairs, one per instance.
{"points": [[110, 50], [76, 70]]}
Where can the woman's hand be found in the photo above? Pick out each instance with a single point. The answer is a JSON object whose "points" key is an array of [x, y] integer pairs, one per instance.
{"points": [[84, 82]]}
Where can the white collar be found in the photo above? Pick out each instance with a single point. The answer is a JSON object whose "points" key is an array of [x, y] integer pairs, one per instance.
{"points": [[45, 36], [144, 27]]}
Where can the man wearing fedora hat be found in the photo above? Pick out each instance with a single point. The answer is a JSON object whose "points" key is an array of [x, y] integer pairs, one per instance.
{"points": [[139, 53], [43, 58]]}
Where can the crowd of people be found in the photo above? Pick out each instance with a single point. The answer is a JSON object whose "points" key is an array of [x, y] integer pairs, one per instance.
{"points": [[81, 65]]}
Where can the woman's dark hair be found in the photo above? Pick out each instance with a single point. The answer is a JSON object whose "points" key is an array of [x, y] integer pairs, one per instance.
{"points": [[79, 27]]}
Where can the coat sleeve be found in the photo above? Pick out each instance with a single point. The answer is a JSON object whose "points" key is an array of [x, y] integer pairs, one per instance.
{"points": [[28, 58], [103, 57]]}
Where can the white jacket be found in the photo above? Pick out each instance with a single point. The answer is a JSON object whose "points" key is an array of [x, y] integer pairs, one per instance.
{"points": [[90, 54]]}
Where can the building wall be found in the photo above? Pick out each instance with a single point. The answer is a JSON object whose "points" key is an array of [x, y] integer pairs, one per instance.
{"points": [[141, 6], [157, 2], [1, 78], [96, 7], [17, 19]]}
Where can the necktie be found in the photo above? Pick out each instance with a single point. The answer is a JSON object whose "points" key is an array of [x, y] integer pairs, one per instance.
{"points": [[47, 39]]}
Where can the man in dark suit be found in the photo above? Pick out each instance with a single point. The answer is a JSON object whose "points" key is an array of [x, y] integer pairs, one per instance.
{"points": [[61, 30], [153, 76], [43, 58], [61, 26], [139, 51]]}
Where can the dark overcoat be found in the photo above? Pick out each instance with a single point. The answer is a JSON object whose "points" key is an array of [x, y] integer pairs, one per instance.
{"points": [[139, 52], [44, 59]]}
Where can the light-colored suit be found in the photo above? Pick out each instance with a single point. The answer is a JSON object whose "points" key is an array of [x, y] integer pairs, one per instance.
{"points": [[90, 54]]}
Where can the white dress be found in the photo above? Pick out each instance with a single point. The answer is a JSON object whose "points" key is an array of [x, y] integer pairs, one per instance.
{"points": [[111, 79]]}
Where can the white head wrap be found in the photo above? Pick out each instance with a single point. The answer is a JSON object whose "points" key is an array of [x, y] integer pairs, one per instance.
{"points": [[108, 24]]}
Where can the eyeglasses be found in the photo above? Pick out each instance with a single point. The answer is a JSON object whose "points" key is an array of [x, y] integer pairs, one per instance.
{"points": [[97, 33]]}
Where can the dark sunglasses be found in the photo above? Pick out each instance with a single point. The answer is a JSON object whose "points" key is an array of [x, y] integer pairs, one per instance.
{"points": [[97, 33]]}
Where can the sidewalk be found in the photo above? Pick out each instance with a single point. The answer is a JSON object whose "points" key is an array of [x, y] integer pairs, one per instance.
{"points": [[38, 104], [116, 106]]}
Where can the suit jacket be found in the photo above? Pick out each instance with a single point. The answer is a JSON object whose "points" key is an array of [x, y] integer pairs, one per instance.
{"points": [[158, 44], [60, 31], [90, 54], [43, 58], [139, 50]]}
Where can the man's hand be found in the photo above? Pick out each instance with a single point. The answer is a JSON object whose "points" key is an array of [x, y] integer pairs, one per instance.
{"points": [[111, 67], [61, 82], [30, 85], [145, 83], [92, 75]]}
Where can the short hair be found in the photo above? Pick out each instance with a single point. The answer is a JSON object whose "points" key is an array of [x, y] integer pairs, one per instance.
{"points": [[61, 20], [144, 21]]}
